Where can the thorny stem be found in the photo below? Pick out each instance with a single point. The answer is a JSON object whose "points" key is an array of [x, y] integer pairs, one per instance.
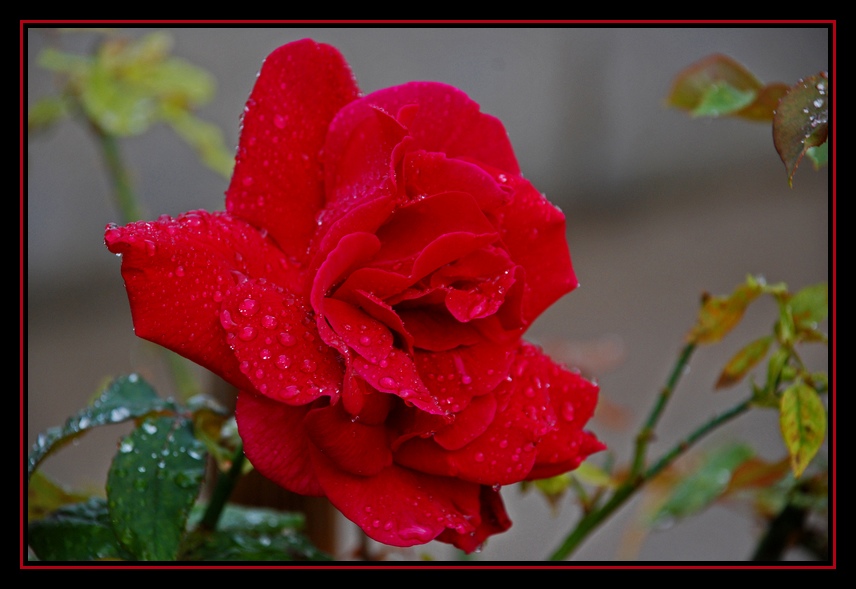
{"points": [[222, 491], [591, 520], [647, 430]]}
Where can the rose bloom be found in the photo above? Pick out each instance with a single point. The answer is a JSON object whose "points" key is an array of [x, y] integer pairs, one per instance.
{"points": [[366, 291]]}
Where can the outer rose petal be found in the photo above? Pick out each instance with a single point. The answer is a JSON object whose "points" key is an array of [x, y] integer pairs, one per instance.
{"points": [[446, 121], [526, 417], [178, 271], [398, 506], [533, 230], [275, 339], [494, 520], [277, 183], [276, 443]]}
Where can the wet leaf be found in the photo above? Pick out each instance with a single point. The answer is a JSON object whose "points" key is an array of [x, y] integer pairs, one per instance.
{"points": [[153, 482], [801, 121], [45, 495], [743, 361], [705, 485], [127, 397], [76, 532], [802, 418], [253, 534], [719, 314]]}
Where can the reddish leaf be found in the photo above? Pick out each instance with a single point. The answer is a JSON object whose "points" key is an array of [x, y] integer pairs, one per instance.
{"points": [[694, 82], [756, 473], [801, 120]]}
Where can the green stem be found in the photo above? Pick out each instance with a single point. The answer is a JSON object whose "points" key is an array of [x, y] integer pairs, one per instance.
{"points": [[590, 521], [222, 491], [123, 193], [645, 434]]}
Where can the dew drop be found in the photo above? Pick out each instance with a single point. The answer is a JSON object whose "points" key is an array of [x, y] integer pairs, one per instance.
{"points": [[269, 322], [388, 382], [283, 362], [247, 333], [248, 307], [287, 339]]}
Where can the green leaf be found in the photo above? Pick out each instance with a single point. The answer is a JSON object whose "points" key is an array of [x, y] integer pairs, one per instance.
{"points": [[718, 85], [801, 121], [207, 139], [701, 488], [819, 155], [743, 361], [76, 532], [810, 305], [721, 99], [253, 534], [118, 108], [127, 397], [44, 496], [44, 113], [152, 484], [720, 314], [802, 419]]}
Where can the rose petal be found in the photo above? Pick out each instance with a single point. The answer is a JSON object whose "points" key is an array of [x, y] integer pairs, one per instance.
{"points": [[352, 251], [457, 375], [448, 121], [411, 228], [533, 230], [368, 337], [276, 443], [397, 375], [359, 153], [505, 452], [428, 173], [400, 507], [275, 340], [277, 182], [177, 272], [355, 447], [494, 520], [434, 329]]}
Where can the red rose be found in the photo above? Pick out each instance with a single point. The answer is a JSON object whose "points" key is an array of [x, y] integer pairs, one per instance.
{"points": [[366, 291]]}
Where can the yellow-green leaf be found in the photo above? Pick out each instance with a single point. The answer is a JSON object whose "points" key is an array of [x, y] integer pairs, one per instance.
{"points": [[743, 361], [802, 418], [45, 495], [719, 314], [810, 305]]}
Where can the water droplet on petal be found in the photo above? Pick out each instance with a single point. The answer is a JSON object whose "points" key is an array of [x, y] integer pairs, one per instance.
{"points": [[287, 339], [388, 382], [247, 333], [248, 307]]}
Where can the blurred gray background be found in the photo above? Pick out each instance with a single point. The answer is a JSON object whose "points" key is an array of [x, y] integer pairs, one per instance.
{"points": [[660, 208]]}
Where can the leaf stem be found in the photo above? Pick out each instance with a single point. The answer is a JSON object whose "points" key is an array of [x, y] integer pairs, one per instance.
{"points": [[591, 520], [222, 491]]}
